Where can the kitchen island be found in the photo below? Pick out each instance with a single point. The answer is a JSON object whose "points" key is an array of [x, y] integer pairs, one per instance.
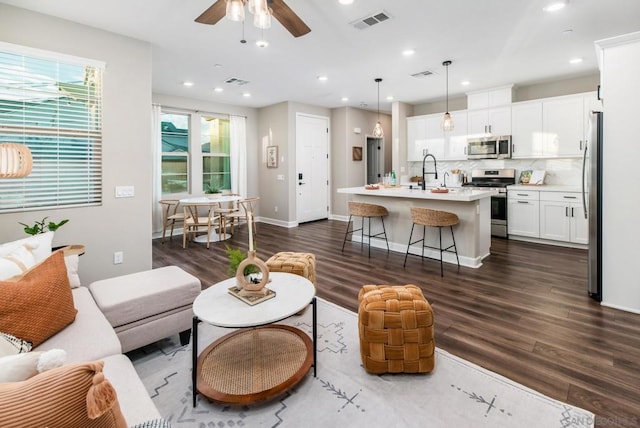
{"points": [[473, 207]]}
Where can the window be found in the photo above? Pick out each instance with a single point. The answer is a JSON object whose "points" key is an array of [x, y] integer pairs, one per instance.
{"points": [[215, 147], [53, 104], [175, 153]]}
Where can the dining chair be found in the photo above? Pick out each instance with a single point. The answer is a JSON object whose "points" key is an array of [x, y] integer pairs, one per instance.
{"points": [[223, 212], [195, 220], [170, 215], [247, 205]]}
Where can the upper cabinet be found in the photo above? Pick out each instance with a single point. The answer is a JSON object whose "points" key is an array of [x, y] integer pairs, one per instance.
{"points": [[489, 112], [456, 140], [424, 136], [551, 127]]}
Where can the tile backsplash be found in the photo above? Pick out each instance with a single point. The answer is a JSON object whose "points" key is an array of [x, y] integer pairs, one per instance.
{"points": [[565, 171]]}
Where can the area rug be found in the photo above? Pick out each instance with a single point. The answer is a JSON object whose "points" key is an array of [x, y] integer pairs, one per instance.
{"points": [[457, 393]]}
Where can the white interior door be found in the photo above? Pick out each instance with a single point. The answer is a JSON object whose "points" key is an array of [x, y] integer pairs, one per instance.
{"points": [[312, 166]]}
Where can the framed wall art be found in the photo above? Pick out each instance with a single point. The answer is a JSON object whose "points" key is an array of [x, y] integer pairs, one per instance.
{"points": [[272, 156], [356, 153]]}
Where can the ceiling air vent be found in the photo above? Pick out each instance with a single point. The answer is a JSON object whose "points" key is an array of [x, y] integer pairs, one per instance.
{"points": [[422, 74], [236, 81], [371, 20]]}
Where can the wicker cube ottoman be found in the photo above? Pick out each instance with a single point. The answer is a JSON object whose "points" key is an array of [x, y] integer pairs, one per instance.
{"points": [[395, 325], [303, 264]]}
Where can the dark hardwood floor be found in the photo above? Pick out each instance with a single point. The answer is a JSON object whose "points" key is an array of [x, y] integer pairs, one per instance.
{"points": [[524, 314]]}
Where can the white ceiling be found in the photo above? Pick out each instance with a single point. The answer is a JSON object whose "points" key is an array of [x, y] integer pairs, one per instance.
{"points": [[491, 43]]}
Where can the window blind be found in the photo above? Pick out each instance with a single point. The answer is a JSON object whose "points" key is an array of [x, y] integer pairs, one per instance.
{"points": [[54, 106]]}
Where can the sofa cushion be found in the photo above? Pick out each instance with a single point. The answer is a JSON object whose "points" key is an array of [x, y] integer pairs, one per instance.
{"points": [[19, 367], [72, 396], [134, 399], [40, 245], [39, 304], [11, 345], [89, 337], [17, 262]]}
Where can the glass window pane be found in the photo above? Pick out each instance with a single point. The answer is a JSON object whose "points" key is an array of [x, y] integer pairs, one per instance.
{"points": [[216, 173], [175, 174], [175, 133], [214, 135]]}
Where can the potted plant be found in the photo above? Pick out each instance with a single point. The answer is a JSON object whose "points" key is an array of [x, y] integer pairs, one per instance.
{"points": [[236, 256], [212, 188], [42, 226]]}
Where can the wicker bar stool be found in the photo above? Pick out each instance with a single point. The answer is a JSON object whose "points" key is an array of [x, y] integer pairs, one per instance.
{"points": [[433, 218], [363, 210]]}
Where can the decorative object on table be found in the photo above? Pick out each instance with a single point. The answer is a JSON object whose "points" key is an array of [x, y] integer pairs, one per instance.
{"points": [[42, 226], [532, 177], [378, 132], [15, 160], [212, 188], [439, 190], [372, 187], [251, 289], [356, 153], [415, 179], [272, 156]]}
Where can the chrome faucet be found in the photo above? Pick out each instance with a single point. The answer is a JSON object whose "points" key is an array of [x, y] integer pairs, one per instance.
{"points": [[444, 177], [424, 172]]}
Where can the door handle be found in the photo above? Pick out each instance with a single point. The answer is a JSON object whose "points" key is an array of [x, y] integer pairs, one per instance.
{"points": [[300, 183], [566, 211]]}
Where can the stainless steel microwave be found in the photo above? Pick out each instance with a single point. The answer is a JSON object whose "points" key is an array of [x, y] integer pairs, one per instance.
{"points": [[498, 147]]}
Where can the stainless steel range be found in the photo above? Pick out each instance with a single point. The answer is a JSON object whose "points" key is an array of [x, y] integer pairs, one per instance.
{"points": [[497, 179]]}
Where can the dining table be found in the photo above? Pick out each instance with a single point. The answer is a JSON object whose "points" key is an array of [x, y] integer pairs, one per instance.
{"points": [[192, 204]]}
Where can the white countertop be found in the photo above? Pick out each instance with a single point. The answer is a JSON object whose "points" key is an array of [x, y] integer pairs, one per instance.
{"points": [[546, 188], [457, 194]]}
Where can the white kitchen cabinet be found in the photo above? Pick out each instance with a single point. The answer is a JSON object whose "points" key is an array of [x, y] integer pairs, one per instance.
{"points": [[491, 121], [562, 217], [424, 135], [456, 140], [563, 124], [526, 129], [490, 98], [523, 213]]}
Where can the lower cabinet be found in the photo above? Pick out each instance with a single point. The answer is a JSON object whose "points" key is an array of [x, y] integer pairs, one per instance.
{"points": [[553, 216], [523, 213], [562, 217]]}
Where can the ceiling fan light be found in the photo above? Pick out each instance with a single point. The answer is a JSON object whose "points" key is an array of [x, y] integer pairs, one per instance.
{"points": [[262, 20], [257, 6], [235, 10]]}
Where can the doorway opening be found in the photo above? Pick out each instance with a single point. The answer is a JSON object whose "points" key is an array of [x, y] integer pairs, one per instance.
{"points": [[375, 160]]}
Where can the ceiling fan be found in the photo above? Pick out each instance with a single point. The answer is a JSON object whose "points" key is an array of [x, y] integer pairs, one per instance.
{"points": [[279, 10]]}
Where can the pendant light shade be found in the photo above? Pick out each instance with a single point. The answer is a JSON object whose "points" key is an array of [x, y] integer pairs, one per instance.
{"points": [[235, 10], [262, 19], [378, 132], [15, 160], [447, 122]]}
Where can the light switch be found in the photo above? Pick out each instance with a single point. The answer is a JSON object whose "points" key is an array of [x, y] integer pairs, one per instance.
{"points": [[125, 192], [280, 177]]}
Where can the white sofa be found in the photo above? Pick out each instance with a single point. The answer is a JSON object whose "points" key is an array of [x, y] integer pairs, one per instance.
{"points": [[91, 337]]}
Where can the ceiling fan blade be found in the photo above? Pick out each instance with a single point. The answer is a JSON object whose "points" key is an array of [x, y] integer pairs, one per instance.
{"points": [[288, 18], [214, 14]]}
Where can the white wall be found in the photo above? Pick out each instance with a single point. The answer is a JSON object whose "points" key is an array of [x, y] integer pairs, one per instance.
{"points": [[621, 205], [118, 224]]}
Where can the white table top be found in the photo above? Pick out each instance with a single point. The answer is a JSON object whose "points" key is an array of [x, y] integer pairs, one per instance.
{"points": [[216, 306], [463, 194], [203, 200]]}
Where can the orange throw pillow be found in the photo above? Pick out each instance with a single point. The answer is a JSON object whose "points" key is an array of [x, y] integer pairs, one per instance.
{"points": [[71, 396], [39, 303]]}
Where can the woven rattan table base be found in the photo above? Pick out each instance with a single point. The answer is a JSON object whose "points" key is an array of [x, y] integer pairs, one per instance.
{"points": [[254, 364]]}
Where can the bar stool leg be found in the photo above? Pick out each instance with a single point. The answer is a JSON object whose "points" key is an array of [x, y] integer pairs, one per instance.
{"points": [[424, 241], [346, 233], [440, 235], [454, 247], [385, 234], [369, 235], [408, 245]]}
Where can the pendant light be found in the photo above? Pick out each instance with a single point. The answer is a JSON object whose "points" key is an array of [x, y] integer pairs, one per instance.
{"points": [[15, 160], [447, 122], [235, 10], [377, 130]]}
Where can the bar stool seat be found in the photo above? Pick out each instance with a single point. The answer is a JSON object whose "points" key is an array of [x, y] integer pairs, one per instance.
{"points": [[364, 210], [433, 218]]}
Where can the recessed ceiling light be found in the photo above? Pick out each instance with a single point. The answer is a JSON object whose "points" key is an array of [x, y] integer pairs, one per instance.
{"points": [[218, 89], [575, 60], [390, 98], [345, 1], [218, 65], [465, 83], [555, 6], [408, 52], [567, 32], [188, 84], [344, 99], [246, 94], [262, 43], [323, 78]]}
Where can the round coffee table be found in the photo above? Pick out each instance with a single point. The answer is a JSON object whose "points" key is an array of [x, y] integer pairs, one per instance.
{"points": [[263, 361]]}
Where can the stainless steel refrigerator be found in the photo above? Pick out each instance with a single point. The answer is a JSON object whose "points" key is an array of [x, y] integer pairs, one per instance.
{"points": [[592, 202]]}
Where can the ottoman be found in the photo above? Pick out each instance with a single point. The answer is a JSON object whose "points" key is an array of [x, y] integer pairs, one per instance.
{"points": [[302, 264], [395, 326], [147, 306]]}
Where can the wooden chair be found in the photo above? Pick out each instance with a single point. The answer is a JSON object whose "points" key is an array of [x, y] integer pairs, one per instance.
{"points": [[224, 212], [247, 205], [170, 216], [194, 221]]}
